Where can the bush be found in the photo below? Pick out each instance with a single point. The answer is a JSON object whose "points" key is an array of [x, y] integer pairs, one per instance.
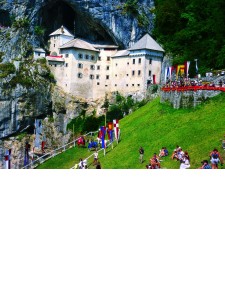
{"points": [[7, 69], [21, 23]]}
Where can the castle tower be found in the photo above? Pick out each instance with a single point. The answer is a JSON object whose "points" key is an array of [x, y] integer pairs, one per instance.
{"points": [[58, 38]]}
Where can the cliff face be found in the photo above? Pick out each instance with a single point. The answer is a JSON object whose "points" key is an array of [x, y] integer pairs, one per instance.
{"points": [[118, 21]]}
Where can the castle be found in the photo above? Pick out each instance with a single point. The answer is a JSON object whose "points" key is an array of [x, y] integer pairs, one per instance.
{"points": [[88, 70]]}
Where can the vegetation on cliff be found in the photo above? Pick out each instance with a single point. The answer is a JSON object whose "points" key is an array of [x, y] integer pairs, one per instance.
{"points": [[192, 29]]}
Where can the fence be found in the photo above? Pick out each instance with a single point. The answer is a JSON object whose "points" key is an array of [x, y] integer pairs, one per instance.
{"points": [[53, 153]]}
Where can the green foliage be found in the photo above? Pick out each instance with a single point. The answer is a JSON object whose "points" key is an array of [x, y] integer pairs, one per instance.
{"points": [[21, 23], [134, 9], [6, 69], [130, 7], [189, 29], [81, 124], [39, 31]]}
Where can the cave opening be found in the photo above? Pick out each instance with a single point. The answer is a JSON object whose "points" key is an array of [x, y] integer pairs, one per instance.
{"points": [[57, 13], [5, 20]]}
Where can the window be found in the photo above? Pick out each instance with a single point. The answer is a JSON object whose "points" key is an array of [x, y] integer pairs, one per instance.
{"points": [[115, 84], [107, 76], [107, 67], [116, 64], [116, 75], [98, 67], [97, 76], [139, 72], [92, 76], [150, 61], [80, 55], [80, 66], [55, 65], [99, 58], [108, 58], [133, 72], [138, 84], [127, 74], [133, 61], [98, 83], [126, 84], [39, 54], [67, 55], [150, 73], [128, 62], [66, 65], [132, 84], [139, 60], [106, 85], [80, 75], [54, 45], [92, 57], [92, 67], [86, 56]]}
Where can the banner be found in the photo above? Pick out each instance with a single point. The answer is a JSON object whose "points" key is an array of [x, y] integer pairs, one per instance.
{"points": [[116, 128], [180, 70], [187, 65], [103, 132]]}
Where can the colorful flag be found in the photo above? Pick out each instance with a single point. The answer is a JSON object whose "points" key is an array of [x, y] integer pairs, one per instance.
{"points": [[103, 132], [116, 128], [187, 65], [180, 70]]}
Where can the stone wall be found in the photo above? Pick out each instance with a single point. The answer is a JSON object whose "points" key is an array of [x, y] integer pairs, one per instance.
{"points": [[186, 99]]}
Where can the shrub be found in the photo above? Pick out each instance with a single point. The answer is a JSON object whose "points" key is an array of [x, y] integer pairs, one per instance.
{"points": [[21, 23], [6, 69]]}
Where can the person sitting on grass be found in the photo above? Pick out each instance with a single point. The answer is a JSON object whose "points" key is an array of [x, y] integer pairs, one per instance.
{"points": [[175, 153], [205, 165], [185, 161], [215, 158], [163, 152], [154, 162]]}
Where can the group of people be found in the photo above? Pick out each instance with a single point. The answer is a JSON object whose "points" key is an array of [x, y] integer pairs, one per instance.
{"points": [[83, 163], [181, 156], [185, 82]]}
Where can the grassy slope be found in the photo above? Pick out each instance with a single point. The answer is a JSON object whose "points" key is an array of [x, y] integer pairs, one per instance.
{"points": [[156, 125]]}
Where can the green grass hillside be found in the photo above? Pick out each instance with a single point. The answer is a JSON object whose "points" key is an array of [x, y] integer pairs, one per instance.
{"points": [[155, 125]]}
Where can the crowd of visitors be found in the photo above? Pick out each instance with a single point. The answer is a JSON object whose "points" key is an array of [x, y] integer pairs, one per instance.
{"points": [[183, 157], [186, 82]]}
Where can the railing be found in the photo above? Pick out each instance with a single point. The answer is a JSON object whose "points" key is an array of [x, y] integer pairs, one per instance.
{"points": [[53, 153], [102, 149]]}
